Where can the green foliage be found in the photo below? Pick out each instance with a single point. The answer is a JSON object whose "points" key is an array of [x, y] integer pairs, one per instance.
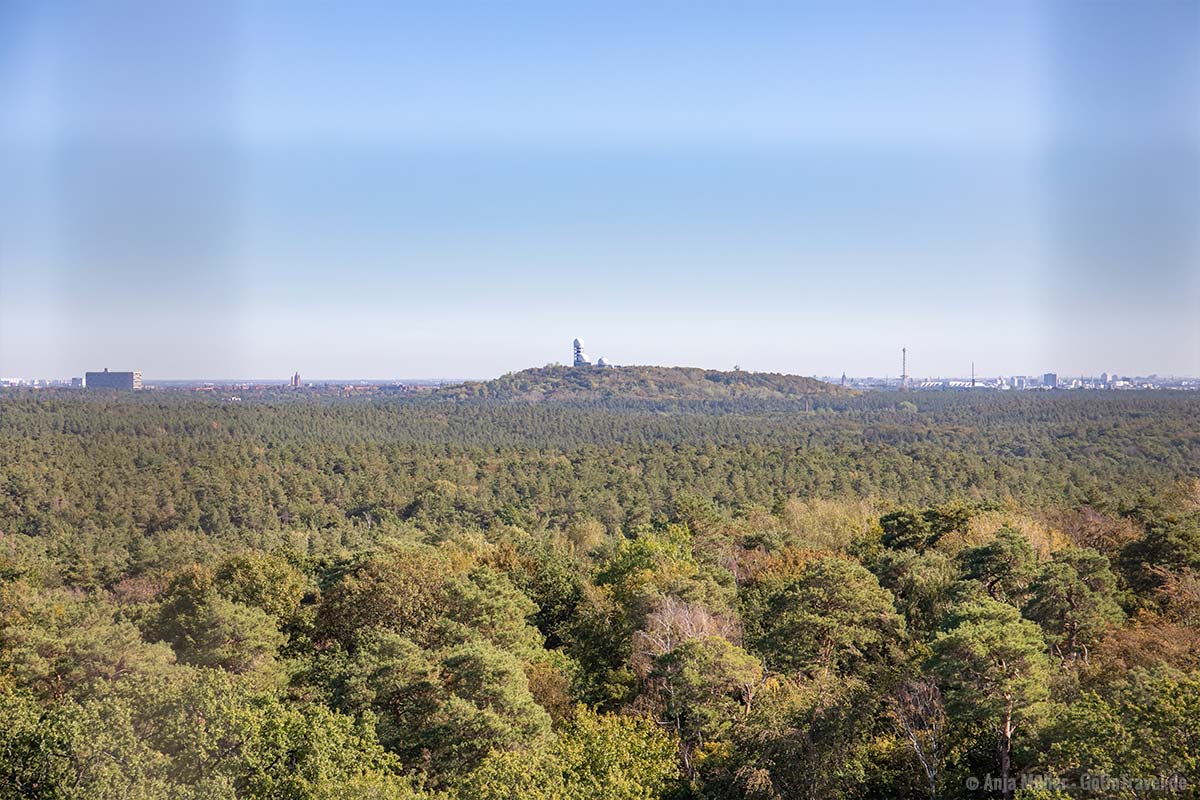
{"points": [[905, 529], [601, 638], [195, 735], [616, 758], [505, 774], [61, 645], [1172, 544], [1148, 727], [390, 678], [486, 604], [441, 710], [1074, 599], [653, 565], [707, 686], [33, 745], [488, 705], [207, 630], [1004, 566], [231, 636], [805, 738], [831, 617], [596, 756], [993, 668], [312, 597], [554, 581], [403, 592], [263, 581], [104, 487], [908, 529], [987, 656], [923, 584]]}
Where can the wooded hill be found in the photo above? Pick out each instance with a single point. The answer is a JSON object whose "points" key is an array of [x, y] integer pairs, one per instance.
{"points": [[641, 383]]}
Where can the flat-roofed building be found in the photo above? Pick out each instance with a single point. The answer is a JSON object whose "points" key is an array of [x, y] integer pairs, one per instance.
{"points": [[125, 381]]}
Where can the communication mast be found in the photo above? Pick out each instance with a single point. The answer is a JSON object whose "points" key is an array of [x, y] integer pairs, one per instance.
{"points": [[903, 367]]}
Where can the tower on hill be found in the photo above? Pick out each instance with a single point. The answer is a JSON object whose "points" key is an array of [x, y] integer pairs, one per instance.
{"points": [[581, 358]]}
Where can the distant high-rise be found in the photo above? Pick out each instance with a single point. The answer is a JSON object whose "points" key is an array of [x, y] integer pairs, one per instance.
{"points": [[1050, 380], [296, 381], [125, 381]]}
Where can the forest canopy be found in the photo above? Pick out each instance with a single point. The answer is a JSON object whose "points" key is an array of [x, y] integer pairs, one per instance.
{"points": [[539, 588]]}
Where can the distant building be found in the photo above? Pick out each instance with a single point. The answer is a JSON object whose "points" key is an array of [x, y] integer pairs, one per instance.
{"points": [[581, 358], [76, 383], [296, 381], [124, 381], [1050, 380]]}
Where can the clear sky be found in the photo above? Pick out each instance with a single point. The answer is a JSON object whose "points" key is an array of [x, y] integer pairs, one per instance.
{"points": [[458, 189]]}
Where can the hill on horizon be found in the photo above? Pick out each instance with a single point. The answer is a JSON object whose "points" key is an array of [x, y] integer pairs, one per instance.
{"points": [[640, 383]]}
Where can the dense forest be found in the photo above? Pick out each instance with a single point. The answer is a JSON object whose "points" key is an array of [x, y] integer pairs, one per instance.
{"points": [[683, 586]]}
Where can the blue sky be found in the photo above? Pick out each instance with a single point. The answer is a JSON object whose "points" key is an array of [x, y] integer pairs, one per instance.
{"points": [[446, 189]]}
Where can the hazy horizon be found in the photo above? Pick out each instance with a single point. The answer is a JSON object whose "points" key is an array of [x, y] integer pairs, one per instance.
{"points": [[459, 189], [317, 379]]}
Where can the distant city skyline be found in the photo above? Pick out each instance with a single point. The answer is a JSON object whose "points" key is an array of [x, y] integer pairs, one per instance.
{"points": [[458, 189], [1025, 378]]}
